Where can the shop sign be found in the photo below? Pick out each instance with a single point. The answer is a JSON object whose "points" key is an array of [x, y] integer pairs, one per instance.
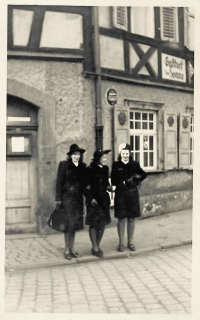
{"points": [[173, 68], [112, 96]]}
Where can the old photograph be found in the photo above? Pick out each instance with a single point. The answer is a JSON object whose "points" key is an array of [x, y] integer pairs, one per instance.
{"points": [[99, 159]]}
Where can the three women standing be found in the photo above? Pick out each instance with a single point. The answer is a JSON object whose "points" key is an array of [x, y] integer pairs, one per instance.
{"points": [[98, 200], [126, 175], [70, 185]]}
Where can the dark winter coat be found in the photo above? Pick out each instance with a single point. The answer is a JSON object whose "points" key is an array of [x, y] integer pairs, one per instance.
{"points": [[126, 200], [70, 186], [97, 215]]}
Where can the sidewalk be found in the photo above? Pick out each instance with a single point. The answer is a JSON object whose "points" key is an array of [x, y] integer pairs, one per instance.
{"points": [[28, 251]]}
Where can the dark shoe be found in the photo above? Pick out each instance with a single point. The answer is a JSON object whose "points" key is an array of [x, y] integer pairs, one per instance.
{"points": [[120, 247], [100, 250], [97, 253], [67, 256], [75, 254], [131, 247]]}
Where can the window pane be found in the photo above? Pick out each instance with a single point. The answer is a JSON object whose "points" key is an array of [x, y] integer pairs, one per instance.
{"points": [[137, 157], [144, 125], [151, 116], [22, 22], [137, 125], [137, 115], [144, 116], [137, 142], [151, 125], [151, 143], [145, 143], [151, 159], [145, 159], [58, 30], [132, 142], [131, 125], [131, 115]]}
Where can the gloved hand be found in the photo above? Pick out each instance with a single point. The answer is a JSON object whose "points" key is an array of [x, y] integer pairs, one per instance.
{"points": [[109, 188], [93, 202], [58, 203]]}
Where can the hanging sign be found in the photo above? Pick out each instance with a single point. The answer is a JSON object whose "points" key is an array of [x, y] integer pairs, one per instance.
{"points": [[173, 68], [112, 96]]}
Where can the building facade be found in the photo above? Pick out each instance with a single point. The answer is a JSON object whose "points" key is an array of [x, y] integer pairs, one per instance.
{"points": [[98, 76]]}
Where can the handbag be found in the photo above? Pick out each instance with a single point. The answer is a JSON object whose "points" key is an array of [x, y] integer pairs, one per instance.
{"points": [[58, 219]]}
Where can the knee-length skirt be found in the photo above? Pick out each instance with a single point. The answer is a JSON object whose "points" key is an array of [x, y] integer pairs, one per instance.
{"points": [[126, 203]]}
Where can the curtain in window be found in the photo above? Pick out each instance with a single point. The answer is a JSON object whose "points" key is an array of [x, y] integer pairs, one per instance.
{"points": [[142, 21]]}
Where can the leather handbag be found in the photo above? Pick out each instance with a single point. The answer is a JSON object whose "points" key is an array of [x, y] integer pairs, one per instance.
{"points": [[58, 219]]}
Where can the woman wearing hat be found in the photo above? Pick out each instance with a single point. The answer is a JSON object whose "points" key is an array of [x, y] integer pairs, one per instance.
{"points": [[126, 175], [98, 200], [70, 185]]}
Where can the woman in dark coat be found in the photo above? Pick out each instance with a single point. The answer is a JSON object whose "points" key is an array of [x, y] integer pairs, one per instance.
{"points": [[126, 175], [70, 185], [98, 200]]}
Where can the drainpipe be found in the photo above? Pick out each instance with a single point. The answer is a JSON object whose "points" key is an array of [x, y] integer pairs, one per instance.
{"points": [[96, 46]]}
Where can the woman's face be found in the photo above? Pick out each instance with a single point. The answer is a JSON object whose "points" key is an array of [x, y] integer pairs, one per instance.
{"points": [[76, 156], [125, 155], [103, 159]]}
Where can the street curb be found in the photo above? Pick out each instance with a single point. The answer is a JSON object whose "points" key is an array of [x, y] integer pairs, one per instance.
{"points": [[176, 244], [114, 255]]}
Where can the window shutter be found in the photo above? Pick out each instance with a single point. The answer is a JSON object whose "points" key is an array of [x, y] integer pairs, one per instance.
{"points": [[169, 23], [170, 140], [184, 140], [121, 127], [120, 17]]}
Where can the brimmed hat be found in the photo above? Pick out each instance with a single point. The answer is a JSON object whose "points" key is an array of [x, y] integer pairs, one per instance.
{"points": [[74, 148], [99, 153], [123, 146]]}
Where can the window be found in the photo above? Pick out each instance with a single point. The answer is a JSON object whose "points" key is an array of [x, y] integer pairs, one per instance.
{"points": [[141, 20], [169, 23], [143, 137], [191, 140], [191, 18]]}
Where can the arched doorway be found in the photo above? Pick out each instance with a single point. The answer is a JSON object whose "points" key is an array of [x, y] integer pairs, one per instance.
{"points": [[21, 165]]}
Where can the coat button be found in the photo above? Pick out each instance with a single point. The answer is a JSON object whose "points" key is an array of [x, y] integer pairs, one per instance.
{"points": [[71, 188]]}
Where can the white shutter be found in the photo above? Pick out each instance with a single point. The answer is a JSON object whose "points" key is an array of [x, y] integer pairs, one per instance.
{"points": [[120, 18], [170, 140], [184, 140], [121, 127], [169, 23]]}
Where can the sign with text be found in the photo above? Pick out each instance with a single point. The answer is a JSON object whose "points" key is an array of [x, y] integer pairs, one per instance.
{"points": [[173, 68]]}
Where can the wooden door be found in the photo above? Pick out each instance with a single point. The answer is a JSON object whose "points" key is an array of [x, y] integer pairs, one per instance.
{"points": [[21, 164]]}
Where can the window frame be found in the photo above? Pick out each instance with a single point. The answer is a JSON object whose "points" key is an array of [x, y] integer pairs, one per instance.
{"points": [[191, 140], [142, 133], [157, 109]]}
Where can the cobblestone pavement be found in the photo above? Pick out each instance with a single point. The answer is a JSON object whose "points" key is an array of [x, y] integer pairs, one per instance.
{"points": [[156, 283]]}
